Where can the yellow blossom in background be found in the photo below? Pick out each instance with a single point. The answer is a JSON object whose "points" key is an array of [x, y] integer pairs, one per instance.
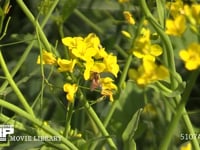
{"points": [[191, 56], [123, 1], [66, 65], [149, 111], [148, 72], [70, 89], [143, 39], [175, 8], [186, 146], [195, 8], [128, 17], [148, 51], [177, 26], [193, 13], [47, 58], [143, 47]]}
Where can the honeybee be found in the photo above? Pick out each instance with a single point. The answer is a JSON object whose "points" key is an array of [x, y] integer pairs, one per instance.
{"points": [[95, 78]]}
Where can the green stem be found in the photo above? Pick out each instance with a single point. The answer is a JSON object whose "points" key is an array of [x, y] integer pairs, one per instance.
{"points": [[180, 110], [35, 23], [98, 122], [5, 30], [68, 119], [37, 122], [18, 65], [190, 129], [88, 21], [14, 86]]}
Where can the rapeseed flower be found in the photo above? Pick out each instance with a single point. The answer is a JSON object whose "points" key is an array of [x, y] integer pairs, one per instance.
{"points": [[129, 18], [143, 47], [177, 26], [70, 89], [71, 42], [110, 62], [108, 87], [191, 56], [175, 8], [83, 48], [148, 72], [92, 60], [47, 58], [91, 67], [193, 13], [186, 146], [66, 65]]}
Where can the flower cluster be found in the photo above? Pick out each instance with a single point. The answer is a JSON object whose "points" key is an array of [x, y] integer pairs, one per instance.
{"points": [[149, 71], [181, 15], [88, 60], [184, 14], [191, 56]]}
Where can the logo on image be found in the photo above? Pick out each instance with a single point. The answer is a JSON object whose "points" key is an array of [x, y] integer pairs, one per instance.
{"points": [[5, 130]]}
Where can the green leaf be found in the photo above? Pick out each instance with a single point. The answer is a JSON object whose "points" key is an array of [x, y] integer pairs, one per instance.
{"points": [[131, 129]]}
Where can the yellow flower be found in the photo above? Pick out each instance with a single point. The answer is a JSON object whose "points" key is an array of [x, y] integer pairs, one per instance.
{"points": [[177, 26], [175, 8], [107, 84], [111, 64], [83, 48], [91, 67], [148, 51], [128, 17], [186, 146], [148, 72], [47, 58], [92, 41], [101, 53], [191, 56], [70, 89], [84, 52], [71, 42], [123, 1], [143, 47], [195, 8], [192, 13], [108, 93], [66, 65], [108, 87]]}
